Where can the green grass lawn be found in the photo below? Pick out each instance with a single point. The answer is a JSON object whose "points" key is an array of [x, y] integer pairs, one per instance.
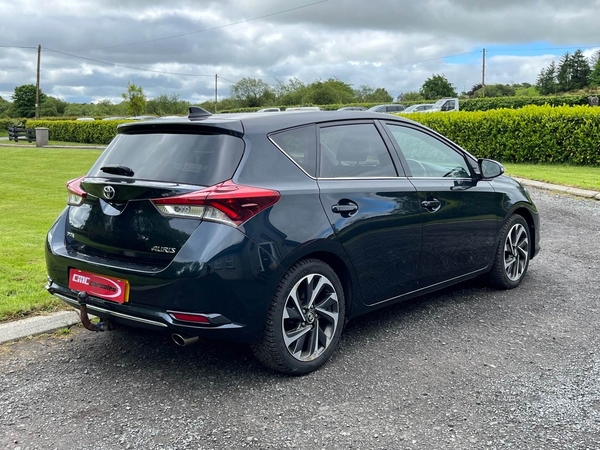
{"points": [[32, 194], [584, 177], [25, 143]]}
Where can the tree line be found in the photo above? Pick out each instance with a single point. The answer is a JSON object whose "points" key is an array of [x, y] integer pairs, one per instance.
{"points": [[573, 72], [134, 103]]}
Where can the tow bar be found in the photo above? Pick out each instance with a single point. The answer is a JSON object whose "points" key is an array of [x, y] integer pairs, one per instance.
{"points": [[103, 325]]}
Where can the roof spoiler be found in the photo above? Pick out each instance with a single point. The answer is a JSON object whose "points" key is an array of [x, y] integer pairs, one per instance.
{"points": [[198, 113]]}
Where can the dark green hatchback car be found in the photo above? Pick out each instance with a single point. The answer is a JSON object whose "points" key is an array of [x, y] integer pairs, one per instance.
{"points": [[276, 229]]}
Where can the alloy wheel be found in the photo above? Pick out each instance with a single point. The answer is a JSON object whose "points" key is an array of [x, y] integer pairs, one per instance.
{"points": [[310, 317], [516, 252]]}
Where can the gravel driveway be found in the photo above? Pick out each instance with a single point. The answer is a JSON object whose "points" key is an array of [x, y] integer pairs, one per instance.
{"points": [[469, 368]]}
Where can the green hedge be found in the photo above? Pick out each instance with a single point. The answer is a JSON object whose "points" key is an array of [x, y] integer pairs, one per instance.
{"points": [[533, 134], [92, 132], [5, 123], [486, 104]]}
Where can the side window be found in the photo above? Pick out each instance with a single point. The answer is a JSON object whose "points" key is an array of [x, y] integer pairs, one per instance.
{"points": [[427, 157], [354, 151], [300, 144]]}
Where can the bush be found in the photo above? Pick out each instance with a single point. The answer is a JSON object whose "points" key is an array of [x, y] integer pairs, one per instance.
{"points": [[92, 132], [488, 103], [533, 134], [5, 123]]}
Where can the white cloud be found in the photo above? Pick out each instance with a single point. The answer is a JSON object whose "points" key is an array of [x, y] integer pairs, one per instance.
{"points": [[384, 43]]}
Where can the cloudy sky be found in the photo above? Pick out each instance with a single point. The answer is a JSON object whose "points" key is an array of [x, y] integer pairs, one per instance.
{"points": [[92, 48]]}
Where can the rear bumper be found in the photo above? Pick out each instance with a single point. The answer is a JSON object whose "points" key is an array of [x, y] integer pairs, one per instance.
{"points": [[224, 281], [220, 327], [142, 317]]}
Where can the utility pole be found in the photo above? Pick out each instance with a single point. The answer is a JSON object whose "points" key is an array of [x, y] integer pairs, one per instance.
{"points": [[216, 83], [37, 85], [483, 75]]}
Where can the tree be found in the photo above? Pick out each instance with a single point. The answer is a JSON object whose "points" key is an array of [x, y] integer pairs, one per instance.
{"points": [[24, 100], [437, 87], [580, 70], [294, 93], [5, 107], [410, 97], [330, 92], [546, 81], [164, 105], [251, 92], [474, 89], [564, 73], [135, 99], [595, 75], [52, 107], [594, 59], [363, 92], [106, 108], [496, 90], [380, 95]]}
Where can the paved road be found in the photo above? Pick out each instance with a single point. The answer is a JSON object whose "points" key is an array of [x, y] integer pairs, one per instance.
{"points": [[470, 368]]}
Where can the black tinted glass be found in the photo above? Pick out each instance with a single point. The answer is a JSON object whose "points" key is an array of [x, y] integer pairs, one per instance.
{"points": [[178, 158], [300, 144], [354, 151]]}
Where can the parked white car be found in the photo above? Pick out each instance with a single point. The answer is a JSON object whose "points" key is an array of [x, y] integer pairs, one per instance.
{"points": [[418, 108], [304, 108], [444, 104]]}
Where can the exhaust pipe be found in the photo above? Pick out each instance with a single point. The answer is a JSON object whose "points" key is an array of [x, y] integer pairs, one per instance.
{"points": [[183, 340]]}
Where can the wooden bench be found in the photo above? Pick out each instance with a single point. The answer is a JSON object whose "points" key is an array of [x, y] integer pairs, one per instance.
{"points": [[16, 132]]}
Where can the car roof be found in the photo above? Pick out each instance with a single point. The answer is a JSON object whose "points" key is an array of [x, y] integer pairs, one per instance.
{"points": [[267, 122]]}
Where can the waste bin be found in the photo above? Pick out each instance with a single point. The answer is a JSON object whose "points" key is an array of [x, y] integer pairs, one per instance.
{"points": [[41, 136]]}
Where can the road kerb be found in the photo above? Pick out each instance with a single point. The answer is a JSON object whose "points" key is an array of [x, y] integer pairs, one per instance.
{"points": [[32, 326]]}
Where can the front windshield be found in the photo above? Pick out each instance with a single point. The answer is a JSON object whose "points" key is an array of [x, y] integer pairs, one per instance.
{"points": [[440, 103], [410, 109]]}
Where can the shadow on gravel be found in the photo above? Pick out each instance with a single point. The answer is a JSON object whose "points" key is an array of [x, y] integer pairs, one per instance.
{"points": [[133, 351]]}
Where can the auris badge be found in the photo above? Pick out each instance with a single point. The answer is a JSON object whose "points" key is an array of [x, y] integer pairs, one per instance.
{"points": [[109, 192]]}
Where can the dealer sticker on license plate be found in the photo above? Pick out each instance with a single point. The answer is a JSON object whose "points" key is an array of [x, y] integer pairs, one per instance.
{"points": [[108, 288]]}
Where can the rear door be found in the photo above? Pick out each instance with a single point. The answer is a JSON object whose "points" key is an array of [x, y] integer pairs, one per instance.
{"points": [[118, 220], [372, 207], [459, 215]]}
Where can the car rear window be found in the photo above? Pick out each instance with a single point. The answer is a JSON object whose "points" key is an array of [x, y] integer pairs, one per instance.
{"points": [[203, 159]]}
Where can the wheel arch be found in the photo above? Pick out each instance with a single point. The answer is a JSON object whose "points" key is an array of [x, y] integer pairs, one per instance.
{"points": [[528, 216], [343, 271]]}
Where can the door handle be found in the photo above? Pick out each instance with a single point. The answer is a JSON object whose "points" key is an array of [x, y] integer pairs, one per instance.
{"points": [[431, 204], [346, 209]]}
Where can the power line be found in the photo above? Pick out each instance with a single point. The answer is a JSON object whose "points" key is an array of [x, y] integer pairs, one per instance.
{"points": [[223, 78], [127, 66], [18, 46], [205, 29]]}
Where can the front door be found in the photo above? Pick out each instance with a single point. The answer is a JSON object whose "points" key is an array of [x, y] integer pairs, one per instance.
{"points": [[374, 212], [459, 215]]}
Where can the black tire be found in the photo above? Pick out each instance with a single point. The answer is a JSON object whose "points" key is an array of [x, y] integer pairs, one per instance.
{"points": [[512, 255], [300, 336]]}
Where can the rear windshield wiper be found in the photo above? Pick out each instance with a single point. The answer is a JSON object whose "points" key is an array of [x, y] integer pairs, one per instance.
{"points": [[117, 169]]}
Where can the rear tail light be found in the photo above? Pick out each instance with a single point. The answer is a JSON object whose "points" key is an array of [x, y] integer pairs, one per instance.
{"points": [[190, 317], [76, 195], [227, 202]]}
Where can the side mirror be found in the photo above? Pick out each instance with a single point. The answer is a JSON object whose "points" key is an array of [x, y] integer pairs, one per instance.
{"points": [[488, 168]]}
